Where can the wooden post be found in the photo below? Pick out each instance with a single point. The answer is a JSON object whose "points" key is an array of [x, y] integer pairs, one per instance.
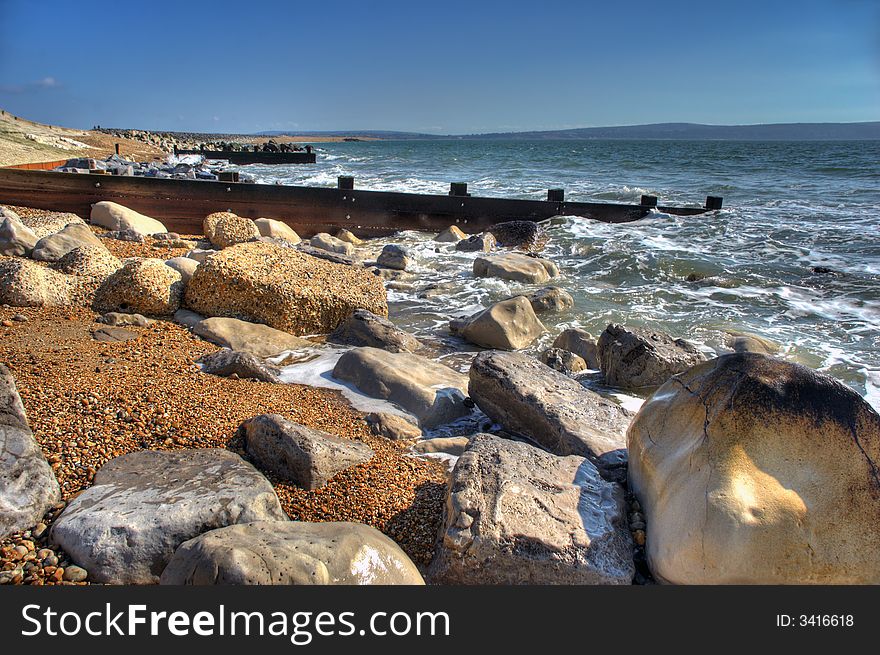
{"points": [[345, 182], [713, 202], [458, 189], [556, 195], [117, 148], [648, 201]]}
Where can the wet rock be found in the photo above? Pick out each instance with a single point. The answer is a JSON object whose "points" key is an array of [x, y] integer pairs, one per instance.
{"points": [[452, 234], [118, 218], [298, 454], [518, 515], [16, 239], [435, 394], [242, 336], [515, 266], [282, 288], [532, 400], [28, 488], [277, 230], [364, 328], [227, 363], [143, 286], [745, 342], [53, 247], [143, 505], [633, 358], [563, 361], [506, 325], [330, 243], [525, 235], [551, 300], [581, 343], [396, 257], [186, 266], [291, 553], [484, 242], [753, 470], [392, 426]]}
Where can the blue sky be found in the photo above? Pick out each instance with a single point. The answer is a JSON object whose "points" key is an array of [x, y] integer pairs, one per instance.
{"points": [[446, 67]]}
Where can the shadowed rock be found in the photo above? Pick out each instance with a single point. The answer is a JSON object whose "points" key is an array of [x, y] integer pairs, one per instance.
{"points": [[228, 363], [364, 328]]}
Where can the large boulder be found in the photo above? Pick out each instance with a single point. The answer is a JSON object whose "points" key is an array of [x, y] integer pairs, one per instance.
{"points": [[28, 487], [291, 553], [282, 288], [143, 286], [753, 470], [45, 224], [633, 358], [515, 266], [435, 394], [273, 229], [117, 218], [243, 336], [209, 223], [24, 283], [534, 401], [506, 325], [16, 239], [325, 241], [518, 515], [581, 343], [231, 230], [228, 363], [89, 261], [364, 328], [525, 235], [299, 454], [53, 247], [551, 300], [143, 505], [395, 257]]}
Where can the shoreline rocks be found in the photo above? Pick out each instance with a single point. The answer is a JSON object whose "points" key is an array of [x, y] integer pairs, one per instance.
{"points": [[506, 325], [581, 343], [117, 218], [242, 336], [242, 365], [142, 286], [364, 328], [515, 266]]}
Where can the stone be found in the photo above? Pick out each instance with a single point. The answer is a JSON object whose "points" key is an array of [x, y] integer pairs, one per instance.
{"points": [[526, 235], [89, 261], [291, 553], [53, 247], [348, 237], [506, 325], [227, 363], [16, 239], [515, 266], [326, 255], [484, 242], [142, 286], [277, 230], [24, 283], [435, 394], [113, 334], [745, 342], [633, 358], [6, 212], [116, 217], [209, 223], [200, 254], [47, 224], [254, 338], [143, 505], [551, 300], [532, 400], [231, 230], [28, 488], [298, 454], [75, 574], [187, 318], [392, 426], [282, 288], [563, 361], [364, 328], [186, 266], [451, 234], [324, 241], [753, 470], [581, 343], [518, 515], [131, 236], [120, 319], [453, 446], [395, 257]]}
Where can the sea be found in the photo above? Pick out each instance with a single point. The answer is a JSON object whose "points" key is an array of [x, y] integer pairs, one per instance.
{"points": [[794, 255]]}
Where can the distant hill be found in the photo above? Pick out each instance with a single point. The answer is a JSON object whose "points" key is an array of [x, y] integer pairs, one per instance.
{"points": [[674, 131]]}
